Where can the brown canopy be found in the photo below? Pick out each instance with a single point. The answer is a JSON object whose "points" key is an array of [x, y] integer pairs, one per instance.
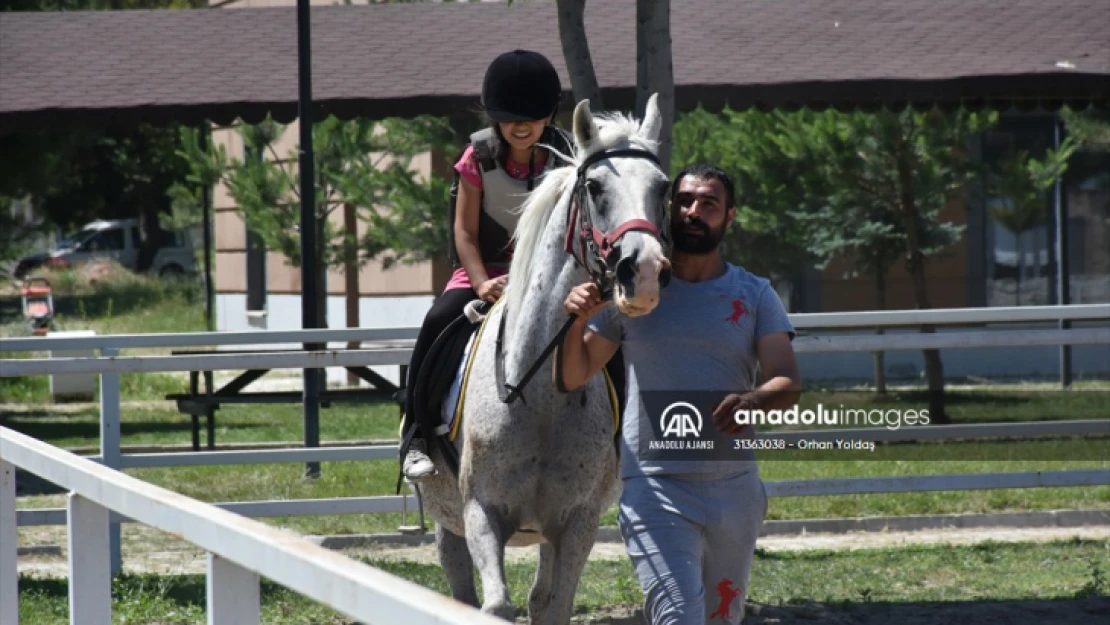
{"points": [[403, 59]]}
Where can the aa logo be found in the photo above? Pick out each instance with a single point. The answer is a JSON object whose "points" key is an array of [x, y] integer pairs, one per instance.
{"points": [[680, 420]]}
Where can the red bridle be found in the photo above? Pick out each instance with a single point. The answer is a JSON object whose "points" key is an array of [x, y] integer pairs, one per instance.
{"points": [[580, 224]]}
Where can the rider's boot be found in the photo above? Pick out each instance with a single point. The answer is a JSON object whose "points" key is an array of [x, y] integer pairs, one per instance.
{"points": [[417, 465]]}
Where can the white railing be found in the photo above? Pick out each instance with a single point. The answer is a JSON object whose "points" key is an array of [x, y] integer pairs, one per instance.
{"points": [[240, 550], [394, 347]]}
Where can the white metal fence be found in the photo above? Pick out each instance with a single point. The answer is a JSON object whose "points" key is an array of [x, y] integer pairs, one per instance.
{"points": [[240, 550], [393, 347]]}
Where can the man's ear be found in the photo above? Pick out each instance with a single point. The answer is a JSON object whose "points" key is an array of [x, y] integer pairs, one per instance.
{"points": [[731, 216]]}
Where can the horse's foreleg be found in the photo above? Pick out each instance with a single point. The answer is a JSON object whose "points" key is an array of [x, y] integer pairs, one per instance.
{"points": [[539, 600], [486, 535], [572, 549], [454, 557]]}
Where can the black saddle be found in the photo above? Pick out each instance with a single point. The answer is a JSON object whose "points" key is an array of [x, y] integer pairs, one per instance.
{"points": [[424, 403]]}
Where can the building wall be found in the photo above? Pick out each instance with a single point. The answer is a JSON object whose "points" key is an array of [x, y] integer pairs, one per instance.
{"points": [[946, 277]]}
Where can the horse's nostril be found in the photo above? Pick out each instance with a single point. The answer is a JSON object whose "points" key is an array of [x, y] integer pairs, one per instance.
{"points": [[626, 271], [664, 277]]}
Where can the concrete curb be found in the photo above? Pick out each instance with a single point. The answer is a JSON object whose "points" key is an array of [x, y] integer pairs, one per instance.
{"points": [[608, 534], [39, 550]]}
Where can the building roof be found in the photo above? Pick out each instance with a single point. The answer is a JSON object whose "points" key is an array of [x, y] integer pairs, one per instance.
{"points": [[402, 59]]}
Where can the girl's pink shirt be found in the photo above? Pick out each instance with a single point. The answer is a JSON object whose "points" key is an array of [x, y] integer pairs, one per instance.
{"points": [[468, 170]]}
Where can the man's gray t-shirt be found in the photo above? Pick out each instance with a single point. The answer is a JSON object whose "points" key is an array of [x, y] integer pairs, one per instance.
{"points": [[701, 337]]}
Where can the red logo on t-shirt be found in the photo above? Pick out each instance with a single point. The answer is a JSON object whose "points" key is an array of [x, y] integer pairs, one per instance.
{"points": [[738, 310]]}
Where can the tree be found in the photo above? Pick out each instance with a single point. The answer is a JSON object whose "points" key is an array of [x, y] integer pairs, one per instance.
{"points": [[654, 66], [867, 188], [576, 52], [75, 175], [361, 163], [772, 191]]}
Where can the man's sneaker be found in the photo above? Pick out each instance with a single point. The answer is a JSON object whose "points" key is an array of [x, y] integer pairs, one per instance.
{"points": [[417, 464]]}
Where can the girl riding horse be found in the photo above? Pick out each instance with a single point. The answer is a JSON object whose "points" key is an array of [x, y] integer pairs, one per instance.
{"points": [[520, 95]]}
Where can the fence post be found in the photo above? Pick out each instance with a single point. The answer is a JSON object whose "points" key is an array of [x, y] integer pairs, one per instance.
{"points": [[90, 585], [234, 593], [9, 546], [110, 444]]}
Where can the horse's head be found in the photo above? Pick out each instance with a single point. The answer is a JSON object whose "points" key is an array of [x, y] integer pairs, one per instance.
{"points": [[620, 211]]}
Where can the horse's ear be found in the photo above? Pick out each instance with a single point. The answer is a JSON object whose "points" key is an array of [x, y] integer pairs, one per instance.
{"points": [[585, 129], [653, 121]]}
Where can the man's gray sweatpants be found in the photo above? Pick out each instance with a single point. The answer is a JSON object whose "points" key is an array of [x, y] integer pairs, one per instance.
{"points": [[691, 542]]}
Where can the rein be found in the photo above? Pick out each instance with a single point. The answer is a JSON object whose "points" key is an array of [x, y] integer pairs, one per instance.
{"points": [[596, 248]]}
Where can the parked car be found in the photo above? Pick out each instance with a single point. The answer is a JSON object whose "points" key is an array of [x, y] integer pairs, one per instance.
{"points": [[118, 240]]}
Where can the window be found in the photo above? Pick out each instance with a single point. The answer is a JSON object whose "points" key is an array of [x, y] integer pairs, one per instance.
{"points": [[105, 241], [256, 271], [1019, 246]]}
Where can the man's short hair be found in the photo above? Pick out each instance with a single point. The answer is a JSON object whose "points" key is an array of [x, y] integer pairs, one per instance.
{"points": [[706, 171]]}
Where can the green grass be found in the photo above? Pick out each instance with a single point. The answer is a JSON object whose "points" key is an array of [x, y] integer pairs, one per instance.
{"points": [[124, 304], [119, 303], [867, 584]]}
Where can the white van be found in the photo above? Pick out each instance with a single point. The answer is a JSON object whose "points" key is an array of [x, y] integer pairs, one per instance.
{"points": [[116, 239]]}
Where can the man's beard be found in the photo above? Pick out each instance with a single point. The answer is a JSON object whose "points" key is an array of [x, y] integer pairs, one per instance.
{"points": [[699, 243]]}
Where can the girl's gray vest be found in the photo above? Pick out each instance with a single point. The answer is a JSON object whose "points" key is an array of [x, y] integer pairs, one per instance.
{"points": [[502, 196]]}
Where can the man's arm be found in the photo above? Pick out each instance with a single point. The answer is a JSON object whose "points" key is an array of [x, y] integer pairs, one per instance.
{"points": [[583, 352], [782, 389]]}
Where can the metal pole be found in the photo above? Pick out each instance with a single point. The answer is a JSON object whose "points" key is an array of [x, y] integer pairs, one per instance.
{"points": [[206, 221], [310, 276], [1063, 271]]}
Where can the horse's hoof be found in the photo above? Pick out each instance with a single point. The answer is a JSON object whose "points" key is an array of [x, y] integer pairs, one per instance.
{"points": [[501, 610]]}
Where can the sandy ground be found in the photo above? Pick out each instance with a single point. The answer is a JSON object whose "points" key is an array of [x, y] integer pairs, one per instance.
{"points": [[152, 551], [149, 550]]}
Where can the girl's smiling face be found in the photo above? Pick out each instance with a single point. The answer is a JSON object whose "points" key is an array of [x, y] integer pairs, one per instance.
{"points": [[523, 135]]}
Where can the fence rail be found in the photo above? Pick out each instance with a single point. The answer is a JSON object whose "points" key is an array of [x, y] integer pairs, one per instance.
{"points": [[404, 337], [240, 550], [393, 347], [377, 356]]}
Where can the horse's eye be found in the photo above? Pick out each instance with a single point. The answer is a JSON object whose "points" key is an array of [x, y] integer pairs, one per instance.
{"points": [[594, 188]]}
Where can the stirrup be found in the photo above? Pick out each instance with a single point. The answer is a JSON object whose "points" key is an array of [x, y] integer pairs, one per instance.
{"points": [[405, 528]]}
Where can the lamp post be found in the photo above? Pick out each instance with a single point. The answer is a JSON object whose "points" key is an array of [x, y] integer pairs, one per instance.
{"points": [[310, 291]]}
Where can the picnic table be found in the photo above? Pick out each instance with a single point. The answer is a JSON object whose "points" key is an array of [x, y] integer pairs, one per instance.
{"points": [[204, 403]]}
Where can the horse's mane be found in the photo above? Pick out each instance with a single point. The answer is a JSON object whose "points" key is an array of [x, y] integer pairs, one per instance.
{"points": [[614, 129]]}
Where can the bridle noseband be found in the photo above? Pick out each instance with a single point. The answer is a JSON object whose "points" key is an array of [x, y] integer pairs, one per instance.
{"points": [[597, 248]]}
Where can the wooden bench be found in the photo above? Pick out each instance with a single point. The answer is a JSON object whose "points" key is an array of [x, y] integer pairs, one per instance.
{"points": [[198, 403]]}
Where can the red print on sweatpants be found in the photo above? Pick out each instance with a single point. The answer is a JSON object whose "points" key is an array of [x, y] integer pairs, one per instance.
{"points": [[728, 593]]}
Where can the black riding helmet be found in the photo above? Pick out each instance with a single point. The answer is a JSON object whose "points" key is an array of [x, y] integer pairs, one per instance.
{"points": [[521, 86]]}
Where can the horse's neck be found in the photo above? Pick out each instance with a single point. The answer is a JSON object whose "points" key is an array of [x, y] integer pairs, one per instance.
{"points": [[553, 273]]}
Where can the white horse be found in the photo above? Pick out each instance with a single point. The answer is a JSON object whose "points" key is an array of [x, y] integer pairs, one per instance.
{"points": [[542, 470]]}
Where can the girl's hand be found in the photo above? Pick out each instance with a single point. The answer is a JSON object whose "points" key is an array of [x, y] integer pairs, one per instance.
{"points": [[492, 289]]}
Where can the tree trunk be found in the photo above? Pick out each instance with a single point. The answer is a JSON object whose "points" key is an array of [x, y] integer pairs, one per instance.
{"points": [[151, 235], [576, 52], [1020, 267], [653, 25], [350, 275], [915, 265], [880, 360]]}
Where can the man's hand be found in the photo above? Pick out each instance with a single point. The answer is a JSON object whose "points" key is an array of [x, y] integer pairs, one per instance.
{"points": [[724, 415], [584, 300], [491, 290]]}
